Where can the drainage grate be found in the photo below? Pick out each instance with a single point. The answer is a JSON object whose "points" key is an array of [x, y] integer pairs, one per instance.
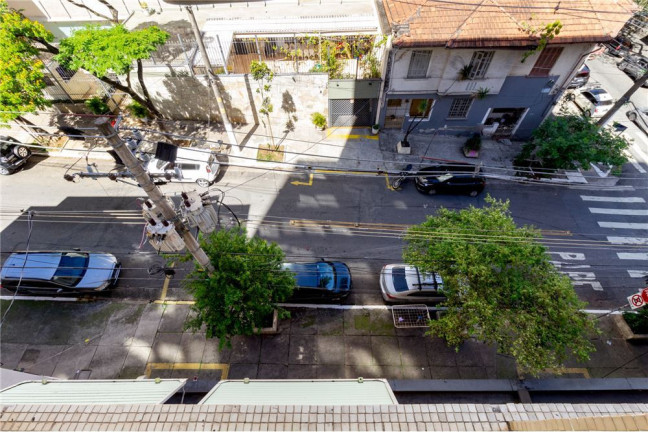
{"points": [[410, 316]]}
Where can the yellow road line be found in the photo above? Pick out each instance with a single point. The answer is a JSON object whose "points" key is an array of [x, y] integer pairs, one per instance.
{"points": [[299, 183], [223, 367], [174, 302], [353, 136], [165, 285]]}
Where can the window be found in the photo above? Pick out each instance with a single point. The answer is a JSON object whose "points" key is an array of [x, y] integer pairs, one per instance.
{"points": [[479, 64], [394, 103], [420, 107], [459, 108], [419, 64], [545, 62]]}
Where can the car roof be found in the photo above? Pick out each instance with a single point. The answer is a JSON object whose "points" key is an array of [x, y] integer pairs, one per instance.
{"points": [[600, 94], [416, 280], [37, 265], [459, 168]]}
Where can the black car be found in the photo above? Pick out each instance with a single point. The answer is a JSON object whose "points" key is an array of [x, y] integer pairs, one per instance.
{"points": [[619, 46], [635, 67], [320, 281], [450, 179], [13, 155], [581, 77]]}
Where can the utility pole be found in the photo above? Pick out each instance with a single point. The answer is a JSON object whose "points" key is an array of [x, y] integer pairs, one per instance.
{"points": [[158, 198], [624, 99], [211, 77]]}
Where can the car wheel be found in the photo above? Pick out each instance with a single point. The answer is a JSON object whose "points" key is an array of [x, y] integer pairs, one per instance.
{"points": [[203, 182], [587, 113], [432, 191], [632, 116], [21, 151], [473, 193], [4, 170]]}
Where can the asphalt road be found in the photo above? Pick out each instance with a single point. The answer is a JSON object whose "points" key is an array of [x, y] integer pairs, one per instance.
{"points": [[356, 220]]}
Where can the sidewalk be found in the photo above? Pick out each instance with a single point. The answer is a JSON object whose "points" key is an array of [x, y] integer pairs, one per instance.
{"points": [[104, 340]]}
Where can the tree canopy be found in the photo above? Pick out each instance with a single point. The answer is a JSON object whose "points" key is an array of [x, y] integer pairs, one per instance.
{"points": [[242, 292], [566, 141], [501, 287], [21, 71]]}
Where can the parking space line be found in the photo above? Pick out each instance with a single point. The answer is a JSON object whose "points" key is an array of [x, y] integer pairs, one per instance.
{"points": [[165, 285]]}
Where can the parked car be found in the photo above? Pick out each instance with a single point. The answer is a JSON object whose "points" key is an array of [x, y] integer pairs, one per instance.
{"points": [[328, 281], [450, 179], [13, 155], [635, 67], [619, 46], [593, 102], [581, 77], [191, 165], [640, 117], [59, 272], [401, 283]]}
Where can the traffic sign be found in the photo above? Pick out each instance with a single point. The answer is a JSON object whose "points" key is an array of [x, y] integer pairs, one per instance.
{"points": [[636, 301], [644, 295]]}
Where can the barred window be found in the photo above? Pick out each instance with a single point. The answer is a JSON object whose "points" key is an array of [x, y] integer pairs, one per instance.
{"points": [[419, 63], [479, 63], [460, 107]]}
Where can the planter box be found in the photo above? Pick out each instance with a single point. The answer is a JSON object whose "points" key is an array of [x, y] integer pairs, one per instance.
{"points": [[403, 148], [470, 153], [274, 328], [626, 331]]}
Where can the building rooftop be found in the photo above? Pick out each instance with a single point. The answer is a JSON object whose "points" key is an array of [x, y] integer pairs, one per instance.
{"points": [[503, 23]]}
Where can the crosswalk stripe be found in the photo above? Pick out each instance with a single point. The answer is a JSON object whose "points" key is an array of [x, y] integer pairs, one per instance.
{"points": [[632, 256], [625, 225], [625, 212], [628, 240], [613, 199], [638, 273]]}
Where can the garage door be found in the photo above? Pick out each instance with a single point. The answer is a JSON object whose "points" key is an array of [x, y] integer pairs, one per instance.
{"points": [[351, 112]]}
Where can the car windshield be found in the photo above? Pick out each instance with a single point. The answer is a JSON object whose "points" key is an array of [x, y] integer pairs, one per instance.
{"points": [[71, 268], [398, 277], [326, 275]]}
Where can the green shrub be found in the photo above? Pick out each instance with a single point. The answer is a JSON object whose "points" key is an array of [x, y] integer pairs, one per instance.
{"points": [[137, 110], [97, 105], [473, 143], [638, 322], [318, 120]]}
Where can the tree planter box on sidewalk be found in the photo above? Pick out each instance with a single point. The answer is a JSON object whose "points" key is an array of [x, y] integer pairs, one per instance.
{"points": [[627, 332], [274, 327]]}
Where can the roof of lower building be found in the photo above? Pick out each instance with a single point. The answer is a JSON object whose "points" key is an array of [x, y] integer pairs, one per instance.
{"points": [[503, 23]]}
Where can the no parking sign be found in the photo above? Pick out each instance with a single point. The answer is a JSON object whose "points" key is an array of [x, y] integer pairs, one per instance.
{"points": [[638, 300]]}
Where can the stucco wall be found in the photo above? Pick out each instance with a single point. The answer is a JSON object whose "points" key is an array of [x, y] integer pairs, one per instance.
{"points": [[294, 97]]}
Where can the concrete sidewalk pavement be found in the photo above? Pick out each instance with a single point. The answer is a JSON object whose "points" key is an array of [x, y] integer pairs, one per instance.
{"points": [[101, 340]]}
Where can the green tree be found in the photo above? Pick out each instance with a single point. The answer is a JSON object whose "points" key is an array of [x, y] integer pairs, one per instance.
{"points": [[115, 49], [21, 71], [500, 286], [566, 141], [262, 74], [244, 289]]}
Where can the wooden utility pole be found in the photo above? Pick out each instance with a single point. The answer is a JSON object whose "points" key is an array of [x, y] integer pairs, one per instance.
{"points": [[624, 99], [135, 167], [211, 77]]}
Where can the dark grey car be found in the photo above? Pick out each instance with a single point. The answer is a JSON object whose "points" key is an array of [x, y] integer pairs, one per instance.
{"points": [[635, 66], [13, 155]]}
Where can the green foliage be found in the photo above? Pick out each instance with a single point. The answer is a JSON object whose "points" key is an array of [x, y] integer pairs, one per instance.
{"points": [[114, 49], [318, 120], [564, 142], [21, 72], [500, 286], [97, 105], [482, 92], [473, 143], [464, 72], [638, 322], [137, 110], [545, 34], [264, 76], [244, 288], [371, 66]]}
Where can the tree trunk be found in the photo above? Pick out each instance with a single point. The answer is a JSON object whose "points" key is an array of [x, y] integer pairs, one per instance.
{"points": [[149, 102]]}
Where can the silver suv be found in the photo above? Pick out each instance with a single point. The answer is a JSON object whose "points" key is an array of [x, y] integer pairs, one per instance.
{"points": [[401, 283], [635, 66]]}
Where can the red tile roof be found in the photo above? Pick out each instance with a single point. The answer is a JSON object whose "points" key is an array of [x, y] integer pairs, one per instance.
{"points": [[500, 23]]}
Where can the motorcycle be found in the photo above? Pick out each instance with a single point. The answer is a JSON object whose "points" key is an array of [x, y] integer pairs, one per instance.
{"points": [[402, 178]]}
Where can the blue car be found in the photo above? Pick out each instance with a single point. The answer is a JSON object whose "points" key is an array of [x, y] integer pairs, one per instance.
{"points": [[59, 272], [327, 281]]}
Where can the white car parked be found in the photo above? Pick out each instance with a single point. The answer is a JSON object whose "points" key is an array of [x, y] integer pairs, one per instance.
{"points": [[594, 102], [191, 165], [401, 283]]}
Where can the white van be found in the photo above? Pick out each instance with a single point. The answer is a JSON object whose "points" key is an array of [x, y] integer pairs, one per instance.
{"points": [[191, 165]]}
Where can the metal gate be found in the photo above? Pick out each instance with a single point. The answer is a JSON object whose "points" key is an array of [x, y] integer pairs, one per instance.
{"points": [[350, 112]]}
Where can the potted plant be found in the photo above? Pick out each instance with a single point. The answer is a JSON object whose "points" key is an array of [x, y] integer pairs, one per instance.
{"points": [[481, 93], [138, 111], [375, 129], [472, 146], [319, 120], [464, 72]]}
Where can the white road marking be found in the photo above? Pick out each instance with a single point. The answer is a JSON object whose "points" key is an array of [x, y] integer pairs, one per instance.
{"points": [[613, 199], [628, 240], [40, 298], [638, 273], [632, 256], [571, 255], [624, 225], [619, 211]]}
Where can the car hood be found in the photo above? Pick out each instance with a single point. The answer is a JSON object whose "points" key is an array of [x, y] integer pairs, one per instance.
{"points": [[100, 271]]}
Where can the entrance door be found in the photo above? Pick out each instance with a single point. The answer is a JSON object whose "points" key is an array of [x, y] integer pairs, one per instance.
{"points": [[508, 119], [350, 112], [395, 113]]}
